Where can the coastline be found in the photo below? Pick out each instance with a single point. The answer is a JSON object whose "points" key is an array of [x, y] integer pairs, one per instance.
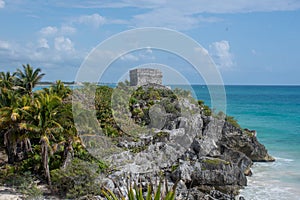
{"points": [[252, 181]]}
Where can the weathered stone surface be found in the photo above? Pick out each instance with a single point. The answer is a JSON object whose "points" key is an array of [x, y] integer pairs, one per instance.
{"points": [[246, 143], [237, 158], [207, 145], [143, 76], [210, 171]]}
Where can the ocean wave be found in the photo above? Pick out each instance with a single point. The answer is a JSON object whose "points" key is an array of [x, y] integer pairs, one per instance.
{"points": [[284, 159], [269, 190], [277, 180]]}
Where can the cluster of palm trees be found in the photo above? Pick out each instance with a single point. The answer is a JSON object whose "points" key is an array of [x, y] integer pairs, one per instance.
{"points": [[34, 122]]}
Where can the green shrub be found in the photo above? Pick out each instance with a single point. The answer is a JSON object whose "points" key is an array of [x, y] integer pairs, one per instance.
{"points": [[231, 120], [24, 183], [77, 180], [205, 108], [148, 97]]}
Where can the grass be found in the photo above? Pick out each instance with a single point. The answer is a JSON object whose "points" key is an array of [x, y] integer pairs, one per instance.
{"points": [[215, 161]]}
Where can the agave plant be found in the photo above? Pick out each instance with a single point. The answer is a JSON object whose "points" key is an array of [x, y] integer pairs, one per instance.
{"points": [[136, 193]]}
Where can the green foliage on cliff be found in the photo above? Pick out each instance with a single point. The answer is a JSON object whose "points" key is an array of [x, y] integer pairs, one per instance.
{"points": [[205, 108], [104, 111], [143, 99], [215, 161], [232, 121]]}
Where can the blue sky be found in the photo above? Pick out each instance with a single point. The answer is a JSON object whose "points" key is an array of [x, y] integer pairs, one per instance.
{"points": [[251, 42]]}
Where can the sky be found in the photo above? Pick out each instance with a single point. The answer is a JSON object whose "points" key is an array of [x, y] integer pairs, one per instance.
{"points": [[251, 42]]}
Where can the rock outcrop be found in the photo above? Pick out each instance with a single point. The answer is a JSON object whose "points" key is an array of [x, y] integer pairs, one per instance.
{"points": [[208, 157]]}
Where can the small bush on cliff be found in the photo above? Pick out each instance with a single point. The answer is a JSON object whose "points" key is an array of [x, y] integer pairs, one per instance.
{"points": [[231, 120], [205, 108], [77, 180]]}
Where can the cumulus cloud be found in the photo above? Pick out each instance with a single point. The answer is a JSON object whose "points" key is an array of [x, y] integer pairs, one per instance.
{"points": [[43, 43], [59, 51], [63, 44], [220, 53], [53, 30], [49, 30], [2, 3], [94, 20]]}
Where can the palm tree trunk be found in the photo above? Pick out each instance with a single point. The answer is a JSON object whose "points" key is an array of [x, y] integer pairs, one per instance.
{"points": [[11, 147], [44, 152], [68, 154]]}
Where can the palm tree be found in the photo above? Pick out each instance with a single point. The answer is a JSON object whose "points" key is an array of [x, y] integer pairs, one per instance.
{"points": [[6, 80], [59, 89], [47, 107], [28, 78], [52, 121], [12, 122]]}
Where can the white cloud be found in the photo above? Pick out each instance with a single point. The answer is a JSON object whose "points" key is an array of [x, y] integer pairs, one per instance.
{"points": [[4, 45], [53, 30], [49, 30], [68, 30], [220, 53], [43, 43], [2, 3], [40, 53], [165, 17], [146, 54], [129, 57], [182, 15], [197, 6], [63, 44], [143, 54], [94, 20]]}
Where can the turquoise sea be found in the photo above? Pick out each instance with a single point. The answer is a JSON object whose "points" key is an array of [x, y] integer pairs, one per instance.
{"points": [[274, 112]]}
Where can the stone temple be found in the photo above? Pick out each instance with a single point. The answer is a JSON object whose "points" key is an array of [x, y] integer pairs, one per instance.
{"points": [[143, 76]]}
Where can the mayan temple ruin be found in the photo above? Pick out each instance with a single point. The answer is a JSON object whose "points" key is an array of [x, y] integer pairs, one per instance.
{"points": [[143, 76]]}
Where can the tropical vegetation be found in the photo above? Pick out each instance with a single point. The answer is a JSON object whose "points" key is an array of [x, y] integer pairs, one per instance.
{"points": [[36, 126]]}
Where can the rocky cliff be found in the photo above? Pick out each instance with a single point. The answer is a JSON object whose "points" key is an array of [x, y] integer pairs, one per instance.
{"points": [[207, 156]]}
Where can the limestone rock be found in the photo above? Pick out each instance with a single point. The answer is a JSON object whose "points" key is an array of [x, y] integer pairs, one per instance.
{"points": [[209, 157], [246, 143]]}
